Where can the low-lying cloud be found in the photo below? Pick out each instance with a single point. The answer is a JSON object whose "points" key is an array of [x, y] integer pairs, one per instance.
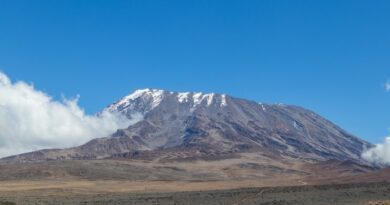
{"points": [[380, 154], [30, 120]]}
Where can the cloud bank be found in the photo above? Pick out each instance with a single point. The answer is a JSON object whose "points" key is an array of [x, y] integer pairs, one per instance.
{"points": [[32, 120], [380, 154]]}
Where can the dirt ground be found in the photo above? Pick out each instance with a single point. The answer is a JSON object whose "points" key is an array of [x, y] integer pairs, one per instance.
{"points": [[114, 186], [249, 180], [349, 194]]}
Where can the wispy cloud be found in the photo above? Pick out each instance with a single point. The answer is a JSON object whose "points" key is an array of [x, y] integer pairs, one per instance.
{"points": [[30, 119], [387, 86]]}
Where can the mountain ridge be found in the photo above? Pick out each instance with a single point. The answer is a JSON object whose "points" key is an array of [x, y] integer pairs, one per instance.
{"points": [[193, 125]]}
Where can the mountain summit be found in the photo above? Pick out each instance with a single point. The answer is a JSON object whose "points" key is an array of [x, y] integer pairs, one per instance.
{"points": [[193, 125], [147, 99]]}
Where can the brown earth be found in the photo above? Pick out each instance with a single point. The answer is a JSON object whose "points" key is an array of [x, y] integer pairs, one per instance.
{"points": [[379, 203], [343, 194], [236, 180]]}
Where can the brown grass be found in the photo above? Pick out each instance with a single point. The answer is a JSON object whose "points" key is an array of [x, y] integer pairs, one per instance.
{"points": [[379, 203], [114, 186]]}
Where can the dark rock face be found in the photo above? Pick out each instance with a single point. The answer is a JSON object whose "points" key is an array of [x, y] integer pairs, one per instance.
{"points": [[180, 126]]}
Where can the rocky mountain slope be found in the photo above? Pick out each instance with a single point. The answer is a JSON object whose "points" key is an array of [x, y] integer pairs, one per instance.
{"points": [[187, 126]]}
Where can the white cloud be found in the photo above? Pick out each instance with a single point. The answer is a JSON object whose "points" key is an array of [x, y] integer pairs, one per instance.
{"points": [[387, 86], [380, 154], [32, 120]]}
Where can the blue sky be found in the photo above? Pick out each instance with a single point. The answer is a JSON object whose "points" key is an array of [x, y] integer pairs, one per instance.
{"points": [[330, 56]]}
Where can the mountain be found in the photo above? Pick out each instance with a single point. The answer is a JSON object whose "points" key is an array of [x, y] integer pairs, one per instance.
{"points": [[183, 126]]}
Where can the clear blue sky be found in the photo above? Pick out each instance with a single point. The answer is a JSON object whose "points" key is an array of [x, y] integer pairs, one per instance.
{"points": [[330, 56]]}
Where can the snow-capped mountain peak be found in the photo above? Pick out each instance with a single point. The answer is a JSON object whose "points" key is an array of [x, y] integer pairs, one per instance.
{"points": [[152, 97], [145, 100], [194, 124]]}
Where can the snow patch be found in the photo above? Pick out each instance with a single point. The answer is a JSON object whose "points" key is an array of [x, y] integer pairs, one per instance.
{"points": [[295, 125], [154, 96], [210, 98], [263, 107], [223, 100], [197, 98], [183, 97]]}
